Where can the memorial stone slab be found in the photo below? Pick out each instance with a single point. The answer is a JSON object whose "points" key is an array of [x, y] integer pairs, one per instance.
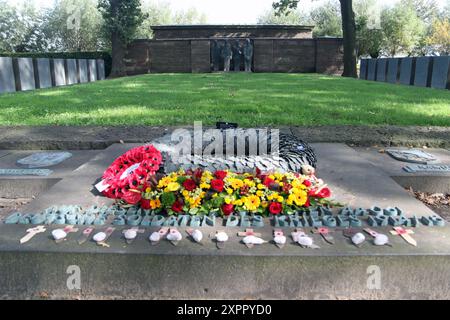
{"points": [[72, 74], [372, 69], [381, 69], [421, 73], [25, 172], [392, 70], [412, 155], [92, 70], [363, 69], [406, 70], [44, 159], [427, 168], [7, 82], [59, 72], [441, 72], [26, 74], [43, 69], [83, 70], [100, 69]]}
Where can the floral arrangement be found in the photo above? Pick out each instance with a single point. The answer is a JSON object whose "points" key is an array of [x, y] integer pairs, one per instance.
{"points": [[132, 179]]}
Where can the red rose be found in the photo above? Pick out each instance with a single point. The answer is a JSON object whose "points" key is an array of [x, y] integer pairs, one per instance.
{"points": [[220, 174], [145, 204], [267, 182], [177, 206], [189, 184], [227, 209], [217, 185], [307, 183], [324, 193], [275, 207], [131, 197]]}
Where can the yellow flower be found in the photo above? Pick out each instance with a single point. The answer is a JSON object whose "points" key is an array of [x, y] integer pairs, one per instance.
{"points": [[173, 186], [249, 182], [251, 203], [260, 193], [236, 183], [185, 193], [238, 202], [204, 185], [164, 182], [194, 203], [261, 186], [264, 204], [298, 198], [148, 189], [228, 200], [280, 199], [229, 190], [155, 204]]}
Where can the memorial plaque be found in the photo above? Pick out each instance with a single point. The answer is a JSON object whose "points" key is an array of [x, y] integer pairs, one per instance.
{"points": [[421, 73], [392, 70], [381, 69], [92, 65], [44, 159], [406, 70], [7, 82], [25, 172], [427, 168], [412, 155], [72, 74], [372, 69], [100, 69], [26, 72], [363, 69], [59, 72], [83, 70], [441, 72], [43, 69]]}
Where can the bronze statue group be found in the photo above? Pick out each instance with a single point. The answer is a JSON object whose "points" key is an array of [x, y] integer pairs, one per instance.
{"points": [[228, 55]]}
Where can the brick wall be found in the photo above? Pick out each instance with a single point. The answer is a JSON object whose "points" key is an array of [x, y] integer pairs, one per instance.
{"points": [[270, 55]]}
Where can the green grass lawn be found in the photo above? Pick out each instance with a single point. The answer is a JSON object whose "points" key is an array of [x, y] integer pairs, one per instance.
{"points": [[249, 99]]}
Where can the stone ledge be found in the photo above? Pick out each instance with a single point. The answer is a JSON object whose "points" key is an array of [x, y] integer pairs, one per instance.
{"points": [[100, 137]]}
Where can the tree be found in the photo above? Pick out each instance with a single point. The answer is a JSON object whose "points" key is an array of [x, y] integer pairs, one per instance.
{"points": [[439, 38], [402, 28], [292, 17], [74, 25], [369, 35], [121, 20], [327, 20], [160, 13], [348, 31]]}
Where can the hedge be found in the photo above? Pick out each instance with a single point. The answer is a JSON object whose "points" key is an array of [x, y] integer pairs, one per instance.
{"points": [[105, 55]]}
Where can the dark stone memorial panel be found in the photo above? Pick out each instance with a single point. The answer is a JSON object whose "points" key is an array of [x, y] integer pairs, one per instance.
{"points": [[59, 72], [381, 69], [92, 64], [406, 65], [72, 74], [26, 72], [363, 69], [421, 71], [372, 69], [392, 70], [100, 69], [441, 72], [83, 70], [43, 69], [7, 82]]}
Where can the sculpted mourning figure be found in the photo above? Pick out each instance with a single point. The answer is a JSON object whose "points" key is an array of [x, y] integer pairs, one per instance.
{"points": [[227, 55], [215, 55], [237, 52], [248, 55]]}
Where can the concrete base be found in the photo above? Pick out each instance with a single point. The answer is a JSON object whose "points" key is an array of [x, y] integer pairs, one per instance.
{"points": [[189, 270]]}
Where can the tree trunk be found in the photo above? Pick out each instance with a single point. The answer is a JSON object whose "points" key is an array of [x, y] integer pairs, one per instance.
{"points": [[117, 46], [349, 34], [117, 55]]}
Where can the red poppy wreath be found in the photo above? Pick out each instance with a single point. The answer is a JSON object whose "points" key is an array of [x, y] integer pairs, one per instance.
{"points": [[129, 172]]}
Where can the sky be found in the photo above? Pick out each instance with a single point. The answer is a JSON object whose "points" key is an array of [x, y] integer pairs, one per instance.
{"points": [[224, 11]]}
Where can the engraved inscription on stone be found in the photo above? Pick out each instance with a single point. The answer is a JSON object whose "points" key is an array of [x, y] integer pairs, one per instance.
{"points": [[44, 159]]}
